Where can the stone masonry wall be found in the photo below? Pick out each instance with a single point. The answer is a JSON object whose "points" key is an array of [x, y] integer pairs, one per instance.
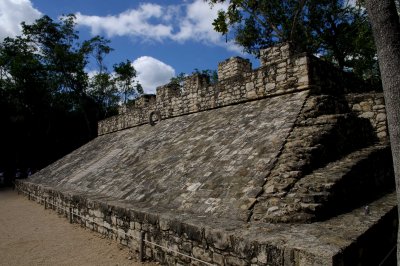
{"points": [[213, 246], [232, 67], [282, 71], [278, 74], [193, 242], [371, 106]]}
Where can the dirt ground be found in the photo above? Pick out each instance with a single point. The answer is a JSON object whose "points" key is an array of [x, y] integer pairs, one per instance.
{"points": [[30, 235]]}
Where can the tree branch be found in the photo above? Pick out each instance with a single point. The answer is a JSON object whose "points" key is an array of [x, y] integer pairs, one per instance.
{"points": [[294, 22]]}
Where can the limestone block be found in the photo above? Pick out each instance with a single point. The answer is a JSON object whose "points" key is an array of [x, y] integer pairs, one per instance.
{"points": [[249, 86], [218, 259], [217, 238], [202, 254], [378, 107], [281, 77], [281, 70], [356, 107], [234, 261], [380, 101], [270, 86], [368, 115], [164, 224], [382, 134], [272, 209], [187, 246], [366, 106], [301, 61], [381, 117], [304, 79], [282, 65]]}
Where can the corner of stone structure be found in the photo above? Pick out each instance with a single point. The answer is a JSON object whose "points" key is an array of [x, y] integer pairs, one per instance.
{"points": [[276, 53], [145, 100], [168, 91], [232, 67], [195, 82]]}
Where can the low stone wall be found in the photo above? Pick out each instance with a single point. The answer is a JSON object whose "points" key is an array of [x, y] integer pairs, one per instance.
{"points": [[199, 241], [167, 240], [371, 106], [236, 84], [282, 71]]}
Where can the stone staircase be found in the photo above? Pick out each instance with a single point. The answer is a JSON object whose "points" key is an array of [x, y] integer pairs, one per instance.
{"points": [[331, 162]]}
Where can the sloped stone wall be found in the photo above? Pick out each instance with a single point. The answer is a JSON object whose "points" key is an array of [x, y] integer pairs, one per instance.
{"points": [[209, 163]]}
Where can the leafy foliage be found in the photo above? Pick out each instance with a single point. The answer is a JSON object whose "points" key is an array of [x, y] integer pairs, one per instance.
{"points": [[332, 29], [125, 78], [178, 80], [48, 103], [212, 75]]}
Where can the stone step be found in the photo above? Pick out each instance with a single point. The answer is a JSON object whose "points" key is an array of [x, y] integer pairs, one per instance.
{"points": [[333, 189], [348, 182]]}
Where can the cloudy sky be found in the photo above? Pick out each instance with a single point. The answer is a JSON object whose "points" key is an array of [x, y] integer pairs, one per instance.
{"points": [[162, 37]]}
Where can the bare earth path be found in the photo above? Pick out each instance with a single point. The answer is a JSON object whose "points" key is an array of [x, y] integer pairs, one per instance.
{"points": [[30, 235]]}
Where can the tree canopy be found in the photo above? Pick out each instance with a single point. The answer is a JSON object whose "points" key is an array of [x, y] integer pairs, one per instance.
{"points": [[332, 29], [49, 104]]}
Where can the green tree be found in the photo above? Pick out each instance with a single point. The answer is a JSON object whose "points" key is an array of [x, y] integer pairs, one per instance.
{"points": [[125, 75], [333, 29], [48, 104], [178, 80], [103, 90]]}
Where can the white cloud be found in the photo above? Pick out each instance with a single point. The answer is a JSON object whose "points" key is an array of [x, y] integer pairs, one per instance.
{"points": [[190, 21], [197, 23], [134, 23], [152, 73], [12, 13]]}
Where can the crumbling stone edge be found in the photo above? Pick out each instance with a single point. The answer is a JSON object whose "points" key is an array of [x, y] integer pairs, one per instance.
{"points": [[233, 245]]}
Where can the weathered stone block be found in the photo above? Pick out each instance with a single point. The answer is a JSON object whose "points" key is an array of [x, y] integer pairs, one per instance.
{"points": [[381, 117], [218, 238], [202, 254], [233, 261]]}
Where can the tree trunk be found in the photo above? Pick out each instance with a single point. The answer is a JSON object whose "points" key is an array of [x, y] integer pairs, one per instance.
{"points": [[386, 29]]}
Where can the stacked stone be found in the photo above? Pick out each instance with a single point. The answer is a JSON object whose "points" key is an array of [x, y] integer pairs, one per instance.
{"points": [[371, 106], [280, 73], [340, 136], [129, 116], [236, 83], [232, 67], [145, 101], [195, 82], [195, 240], [275, 54]]}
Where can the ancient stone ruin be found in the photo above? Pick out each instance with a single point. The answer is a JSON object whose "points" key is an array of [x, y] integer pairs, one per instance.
{"points": [[287, 164]]}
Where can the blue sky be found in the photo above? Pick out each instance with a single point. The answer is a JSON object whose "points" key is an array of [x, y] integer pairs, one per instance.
{"points": [[161, 38]]}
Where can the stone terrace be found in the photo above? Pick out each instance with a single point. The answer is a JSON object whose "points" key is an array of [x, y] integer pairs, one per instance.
{"points": [[272, 166]]}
